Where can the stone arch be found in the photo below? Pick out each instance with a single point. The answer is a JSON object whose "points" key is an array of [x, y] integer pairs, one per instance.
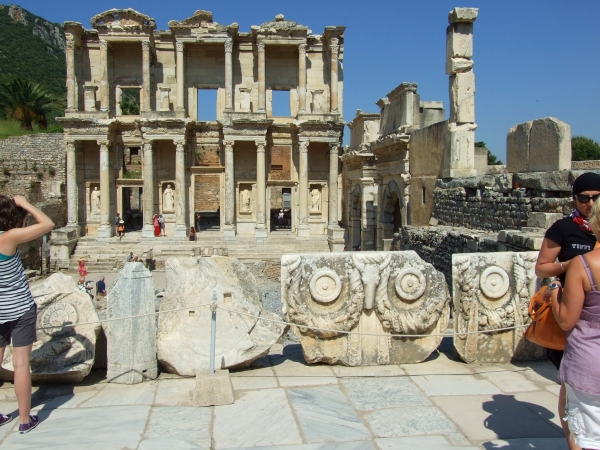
{"points": [[392, 202]]}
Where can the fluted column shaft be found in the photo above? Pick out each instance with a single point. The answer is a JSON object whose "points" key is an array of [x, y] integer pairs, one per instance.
{"points": [[333, 184], [104, 94], [334, 47], [302, 77], [72, 191], [261, 77], [180, 76], [303, 183], [229, 187], [71, 77], [229, 75], [146, 58], [261, 187], [180, 191], [148, 176]]}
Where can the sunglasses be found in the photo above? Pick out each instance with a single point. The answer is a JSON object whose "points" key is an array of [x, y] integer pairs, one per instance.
{"points": [[586, 198]]}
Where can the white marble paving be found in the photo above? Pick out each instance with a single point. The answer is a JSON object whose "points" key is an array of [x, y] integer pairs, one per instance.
{"points": [[368, 394], [187, 424], [123, 394], [438, 385], [411, 421], [175, 392], [419, 443]]}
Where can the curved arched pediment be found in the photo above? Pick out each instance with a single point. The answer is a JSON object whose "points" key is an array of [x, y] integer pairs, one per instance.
{"points": [[122, 20]]}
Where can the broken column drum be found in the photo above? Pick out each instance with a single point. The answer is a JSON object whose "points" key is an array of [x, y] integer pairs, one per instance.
{"points": [[353, 303], [492, 291]]}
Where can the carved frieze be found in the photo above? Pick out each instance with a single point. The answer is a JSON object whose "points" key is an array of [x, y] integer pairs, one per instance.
{"points": [[346, 307], [122, 20]]}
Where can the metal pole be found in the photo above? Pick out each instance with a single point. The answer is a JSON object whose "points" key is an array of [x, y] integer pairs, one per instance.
{"points": [[213, 331]]}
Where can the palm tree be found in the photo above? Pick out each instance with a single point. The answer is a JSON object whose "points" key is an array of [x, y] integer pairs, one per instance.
{"points": [[26, 101]]}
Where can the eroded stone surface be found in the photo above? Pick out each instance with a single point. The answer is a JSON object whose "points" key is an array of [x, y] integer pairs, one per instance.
{"points": [[492, 291], [61, 354], [370, 295], [184, 336]]}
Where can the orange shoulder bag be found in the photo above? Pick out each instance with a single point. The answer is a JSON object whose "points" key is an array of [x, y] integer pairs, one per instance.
{"points": [[544, 329]]}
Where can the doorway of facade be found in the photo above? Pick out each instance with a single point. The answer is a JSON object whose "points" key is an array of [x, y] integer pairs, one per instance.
{"points": [[281, 208], [133, 201]]}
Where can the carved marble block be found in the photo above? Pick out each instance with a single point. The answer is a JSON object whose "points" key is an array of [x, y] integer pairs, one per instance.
{"points": [[358, 300], [492, 291]]}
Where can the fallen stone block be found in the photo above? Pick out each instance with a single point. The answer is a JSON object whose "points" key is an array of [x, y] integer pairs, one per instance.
{"points": [[492, 291], [62, 353], [345, 307], [213, 389], [183, 340]]}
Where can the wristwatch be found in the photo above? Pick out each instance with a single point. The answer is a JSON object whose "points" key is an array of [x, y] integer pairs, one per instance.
{"points": [[554, 286]]}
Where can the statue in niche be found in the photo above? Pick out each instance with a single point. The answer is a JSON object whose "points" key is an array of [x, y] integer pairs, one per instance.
{"points": [[317, 102], [168, 199], [95, 200], [245, 200], [315, 200]]}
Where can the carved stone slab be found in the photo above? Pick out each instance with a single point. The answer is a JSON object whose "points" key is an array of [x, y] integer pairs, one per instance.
{"points": [[184, 336], [369, 294], [63, 355], [492, 291]]}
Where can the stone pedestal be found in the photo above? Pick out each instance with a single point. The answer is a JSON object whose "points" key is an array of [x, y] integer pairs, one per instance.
{"points": [[62, 244], [131, 342], [335, 238], [213, 389]]}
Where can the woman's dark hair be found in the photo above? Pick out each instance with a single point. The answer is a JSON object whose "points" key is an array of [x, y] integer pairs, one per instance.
{"points": [[11, 216]]}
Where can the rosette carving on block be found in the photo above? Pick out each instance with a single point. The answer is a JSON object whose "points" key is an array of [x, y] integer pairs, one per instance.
{"points": [[346, 307], [492, 292]]}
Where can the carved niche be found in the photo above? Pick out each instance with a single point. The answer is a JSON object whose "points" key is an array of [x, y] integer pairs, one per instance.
{"points": [[346, 307], [492, 292]]}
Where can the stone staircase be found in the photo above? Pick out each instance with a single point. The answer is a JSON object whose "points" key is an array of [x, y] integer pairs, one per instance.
{"points": [[110, 254]]}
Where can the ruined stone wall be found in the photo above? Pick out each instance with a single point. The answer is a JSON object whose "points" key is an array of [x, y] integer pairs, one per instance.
{"points": [[33, 166], [207, 190]]}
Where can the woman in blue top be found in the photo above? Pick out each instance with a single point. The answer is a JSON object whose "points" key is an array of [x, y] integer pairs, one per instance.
{"points": [[18, 311]]}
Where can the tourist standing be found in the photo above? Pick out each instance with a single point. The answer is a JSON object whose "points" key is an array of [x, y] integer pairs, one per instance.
{"points": [[197, 220], [82, 269], [161, 221], [18, 311], [565, 240], [156, 224], [121, 229]]}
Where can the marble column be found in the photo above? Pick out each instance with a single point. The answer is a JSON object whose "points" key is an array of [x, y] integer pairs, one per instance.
{"points": [[105, 228], [148, 176], [261, 190], [71, 77], [334, 48], [302, 77], [261, 77], [104, 94], [229, 227], [146, 89], [229, 75], [72, 191], [332, 183], [180, 77], [180, 190], [303, 228]]}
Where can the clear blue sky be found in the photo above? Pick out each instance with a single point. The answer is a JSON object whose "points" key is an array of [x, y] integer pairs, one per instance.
{"points": [[532, 58]]}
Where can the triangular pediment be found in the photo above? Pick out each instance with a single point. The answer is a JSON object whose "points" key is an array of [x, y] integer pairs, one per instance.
{"points": [[122, 20], [200, 19]]}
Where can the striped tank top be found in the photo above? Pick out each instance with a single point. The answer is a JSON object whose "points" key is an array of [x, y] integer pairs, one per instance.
{"points": [[15, 296]]}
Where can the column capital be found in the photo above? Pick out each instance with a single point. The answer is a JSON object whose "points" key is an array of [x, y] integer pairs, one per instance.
{"points": [[304, 146], [146, 45], [179, 143], [334, 45], [302, 48], [260, 145], [103, 44], [260, 45], [103, 143], [70, 144], [229, 45], [70, 44], [334, 147], [179, 46], [228, 145]]}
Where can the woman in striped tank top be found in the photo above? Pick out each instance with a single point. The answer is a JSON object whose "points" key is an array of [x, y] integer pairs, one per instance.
{"points": [[18, 311]]}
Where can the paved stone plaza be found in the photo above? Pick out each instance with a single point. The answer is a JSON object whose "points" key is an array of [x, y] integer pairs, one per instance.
{"points": [[284, 404]]}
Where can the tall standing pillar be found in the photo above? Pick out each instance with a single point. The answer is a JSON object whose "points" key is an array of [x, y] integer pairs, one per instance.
{"points": [[148, 176], [459, 146], [334, 48], [72, 191], [229, 228], [261, 191], [104, 94], [180, 77], [335, 234], [105, 228], [71, 77], [180, 190], [261, 77], [303, 228], [302, 77], [146, 89], [229, 75]]}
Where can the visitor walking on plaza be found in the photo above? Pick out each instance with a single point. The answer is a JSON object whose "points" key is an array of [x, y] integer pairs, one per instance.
{"points": [[18, 311], [156, 224], [564, 241], [161, 221], [577, 311]]}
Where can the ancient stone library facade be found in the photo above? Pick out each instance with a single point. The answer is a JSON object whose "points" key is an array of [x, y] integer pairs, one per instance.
{"points": [[237, 169]]}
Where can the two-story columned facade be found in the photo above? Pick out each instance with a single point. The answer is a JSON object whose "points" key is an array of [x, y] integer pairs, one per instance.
{"points": [[242, 165]]}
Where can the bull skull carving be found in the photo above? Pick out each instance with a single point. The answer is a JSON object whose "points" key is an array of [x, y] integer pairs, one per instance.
{"points": [[370, 268]]}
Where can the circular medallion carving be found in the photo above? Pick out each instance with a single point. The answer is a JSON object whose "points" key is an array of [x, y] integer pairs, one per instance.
{"points": [[325, 286], [410, 284], [57, 315], [494, 282]]}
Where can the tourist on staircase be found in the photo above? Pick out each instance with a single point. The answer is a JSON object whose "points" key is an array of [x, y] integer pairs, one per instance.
{"points": [[161, 221], [18, 311], [156, 224], [564, 241], [192, 234]]}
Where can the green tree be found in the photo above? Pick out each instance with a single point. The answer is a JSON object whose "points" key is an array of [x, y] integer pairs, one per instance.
{"points": [[26, 102], [130, 102], [493, 161], [584, 149]]}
